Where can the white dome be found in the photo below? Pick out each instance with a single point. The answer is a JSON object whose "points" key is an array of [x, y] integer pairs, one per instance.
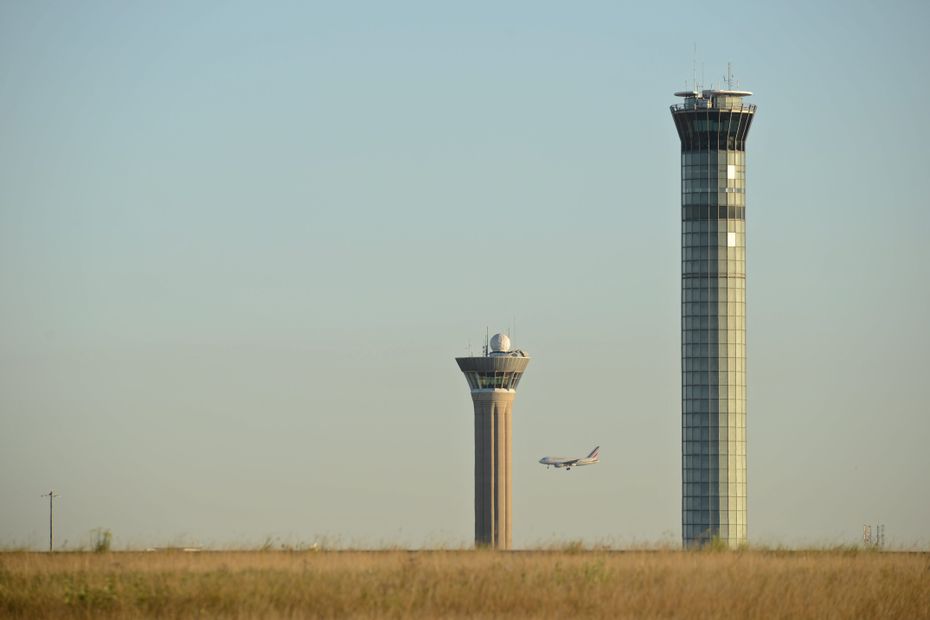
{"points": [[500, 343]]}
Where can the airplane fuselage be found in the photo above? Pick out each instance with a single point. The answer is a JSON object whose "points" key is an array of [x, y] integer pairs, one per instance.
{"points": [[559, 462]]}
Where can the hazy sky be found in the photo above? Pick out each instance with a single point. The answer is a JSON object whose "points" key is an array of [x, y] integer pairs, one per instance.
{"points": [[241, 243]]}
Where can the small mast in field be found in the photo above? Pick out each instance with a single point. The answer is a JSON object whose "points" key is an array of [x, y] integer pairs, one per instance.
{"points": [[51, 495]]}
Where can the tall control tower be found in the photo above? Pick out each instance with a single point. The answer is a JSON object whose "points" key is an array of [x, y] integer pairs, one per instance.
{"points": [[493, 380], [713, 125]]}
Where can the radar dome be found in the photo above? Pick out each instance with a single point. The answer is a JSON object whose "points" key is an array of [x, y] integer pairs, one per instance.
{"points": [[500, 343]]}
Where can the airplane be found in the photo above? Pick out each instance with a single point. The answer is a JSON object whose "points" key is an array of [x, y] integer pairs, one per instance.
{"points": [[558, 462]]}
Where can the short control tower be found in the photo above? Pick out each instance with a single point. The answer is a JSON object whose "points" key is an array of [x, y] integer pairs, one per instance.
{"points": [[493, 380]]}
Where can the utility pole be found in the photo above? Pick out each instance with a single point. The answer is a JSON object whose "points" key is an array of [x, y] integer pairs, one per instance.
{"points": [[51, 496]]}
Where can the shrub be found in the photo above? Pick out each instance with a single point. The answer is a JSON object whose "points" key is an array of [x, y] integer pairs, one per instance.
{"points": [[101, 540]]}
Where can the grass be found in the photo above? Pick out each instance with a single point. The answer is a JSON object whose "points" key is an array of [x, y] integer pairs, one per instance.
{"points": [[844, 583]]}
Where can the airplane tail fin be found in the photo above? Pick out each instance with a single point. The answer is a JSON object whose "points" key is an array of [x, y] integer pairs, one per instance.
{"points": [[595, 453]]}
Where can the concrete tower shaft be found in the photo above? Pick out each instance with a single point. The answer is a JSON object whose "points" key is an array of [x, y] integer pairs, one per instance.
{"points": [[493, 380], [713, 126]]}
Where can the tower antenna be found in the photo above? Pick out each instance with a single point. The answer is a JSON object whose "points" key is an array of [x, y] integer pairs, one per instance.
{"points": [[51, 495], [694, 67]]}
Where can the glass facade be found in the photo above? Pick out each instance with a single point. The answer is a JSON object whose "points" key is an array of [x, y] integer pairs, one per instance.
{"points": [[713, 130]]}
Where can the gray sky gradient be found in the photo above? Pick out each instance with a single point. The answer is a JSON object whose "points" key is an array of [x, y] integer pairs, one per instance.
{"points": [[240, 246]]}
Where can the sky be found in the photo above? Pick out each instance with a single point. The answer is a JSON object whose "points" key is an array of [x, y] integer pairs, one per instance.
{"points": [[241, 245]]}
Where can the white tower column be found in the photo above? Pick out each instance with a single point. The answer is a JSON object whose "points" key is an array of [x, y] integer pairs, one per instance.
{"points": [[493, 380]]}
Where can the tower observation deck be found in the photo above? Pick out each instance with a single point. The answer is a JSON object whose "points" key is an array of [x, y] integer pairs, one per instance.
{"points": [[493, 380], [713, 126]]}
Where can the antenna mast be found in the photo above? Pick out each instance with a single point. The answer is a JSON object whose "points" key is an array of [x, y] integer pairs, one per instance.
{"points": [[51, 496], [694, 68]]}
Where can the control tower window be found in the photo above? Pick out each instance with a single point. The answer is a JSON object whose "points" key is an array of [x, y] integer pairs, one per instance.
{"points": [[496, 380]]}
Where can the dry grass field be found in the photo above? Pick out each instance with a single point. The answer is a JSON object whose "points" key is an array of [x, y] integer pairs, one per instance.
{"points": [[466, 584]]}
